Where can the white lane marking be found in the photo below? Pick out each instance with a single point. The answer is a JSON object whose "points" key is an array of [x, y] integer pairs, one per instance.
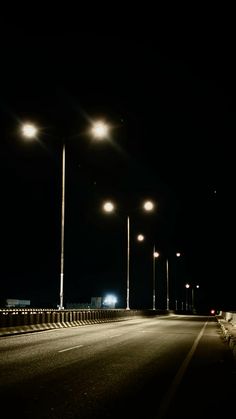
{"points": [[79, 346], [178, 377], [69, 349]]}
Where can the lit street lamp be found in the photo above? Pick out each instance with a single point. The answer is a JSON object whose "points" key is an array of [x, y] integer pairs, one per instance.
{"points": [[167, 282], [187, 306], [155, 255], [99, 130], [109, 207], [140, 238], [193, 297], [148, 206], [29, 130], [187, 286]]}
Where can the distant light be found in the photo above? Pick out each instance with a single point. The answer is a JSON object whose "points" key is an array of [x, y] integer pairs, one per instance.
{"points": [[156, 254], [108, 207], [178, 254], [197, 286], [187, 286], [140, 237], [110, 300], [99, 130], [212, 311], [148, 206], [29, 130]]}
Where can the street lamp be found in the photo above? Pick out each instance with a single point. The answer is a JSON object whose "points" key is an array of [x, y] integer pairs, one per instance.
{"points": [[140, 237], [193, 297], [148, 205], [29, 130], [187, 286], [99, 130], [109, 207], [178, 254], [187, 306], [155, 255]]}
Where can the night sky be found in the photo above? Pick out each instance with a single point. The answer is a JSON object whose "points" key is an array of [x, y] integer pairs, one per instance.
{"points": [[170, 102]]}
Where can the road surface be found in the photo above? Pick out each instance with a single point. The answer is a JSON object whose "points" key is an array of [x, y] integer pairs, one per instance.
{"points": [[153, 367]]}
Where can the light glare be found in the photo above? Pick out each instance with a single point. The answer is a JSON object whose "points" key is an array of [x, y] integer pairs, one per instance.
{"points": [[156, 254], [110, 300], [99, 130], [29, 130], [140, 237], [108, 207], [148, 206]]}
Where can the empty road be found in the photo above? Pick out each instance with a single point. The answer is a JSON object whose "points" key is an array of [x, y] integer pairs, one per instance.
{"points": [[153, 367]]}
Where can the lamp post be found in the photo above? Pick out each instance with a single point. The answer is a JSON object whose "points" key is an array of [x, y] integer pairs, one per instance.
{"points": [[187, 286], [109, 207], [128, 263], [193, 297], [167, 286], [194, 308], [62, 228], [187, 305], [178, 254], [99, 130], [155, 255]]}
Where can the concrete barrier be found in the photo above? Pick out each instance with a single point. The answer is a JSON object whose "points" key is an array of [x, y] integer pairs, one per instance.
{"points": [[227, 322], [14, 321]]}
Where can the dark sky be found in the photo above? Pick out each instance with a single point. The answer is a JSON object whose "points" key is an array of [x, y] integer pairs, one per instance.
{"points": [[171, 104]]}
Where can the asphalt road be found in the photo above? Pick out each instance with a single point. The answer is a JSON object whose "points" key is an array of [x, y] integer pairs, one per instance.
{"points": [[156, 367]]}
